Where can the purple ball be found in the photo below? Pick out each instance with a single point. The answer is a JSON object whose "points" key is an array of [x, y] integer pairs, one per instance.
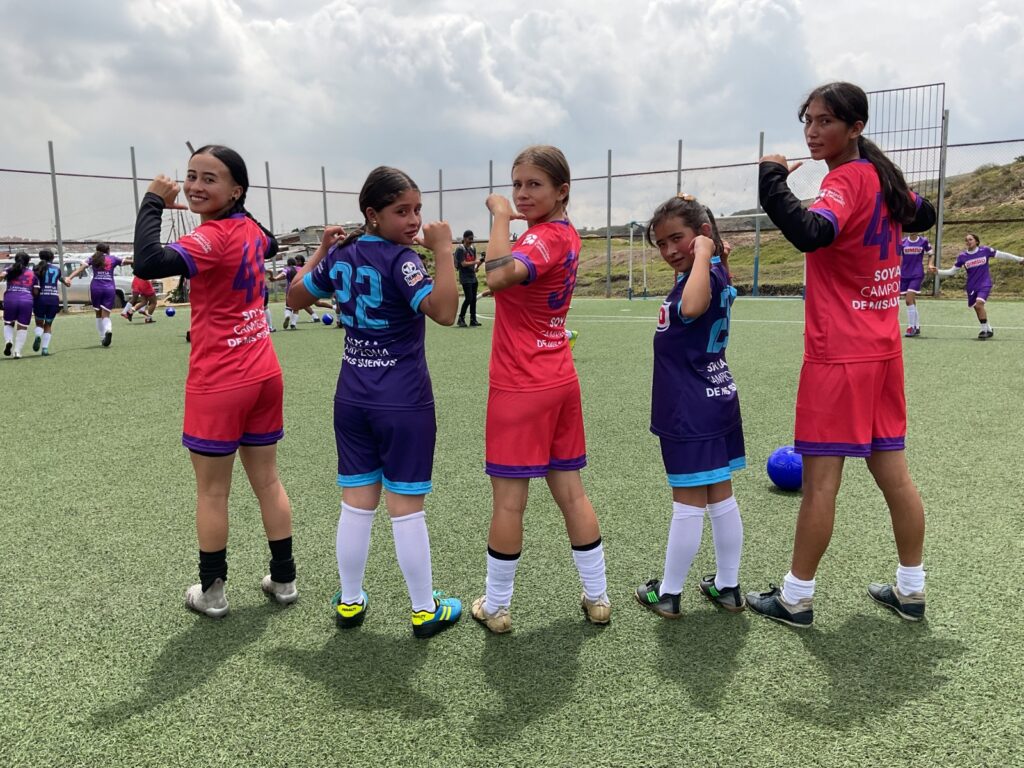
{"points": [[786, 468]]}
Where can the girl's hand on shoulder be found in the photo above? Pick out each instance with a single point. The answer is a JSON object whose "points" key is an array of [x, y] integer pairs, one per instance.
{"points": [[332, 235], [436, 236], [781, 160], [499, 205], [168, 189]]}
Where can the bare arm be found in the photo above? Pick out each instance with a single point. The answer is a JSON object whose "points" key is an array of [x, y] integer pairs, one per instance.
{"points": [[299, 296], [501, 271], [696, 296], [442, 303]]}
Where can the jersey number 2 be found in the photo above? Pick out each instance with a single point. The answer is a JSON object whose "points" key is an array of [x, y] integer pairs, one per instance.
{"points": [[364, 276]]}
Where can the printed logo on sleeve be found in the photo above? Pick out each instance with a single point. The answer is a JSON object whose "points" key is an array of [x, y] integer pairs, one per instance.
{"points": [[201, 241], [412, 273], [831, 194]]}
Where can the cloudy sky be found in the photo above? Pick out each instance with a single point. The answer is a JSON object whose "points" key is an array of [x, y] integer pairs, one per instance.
{"points": [[454, 84]]}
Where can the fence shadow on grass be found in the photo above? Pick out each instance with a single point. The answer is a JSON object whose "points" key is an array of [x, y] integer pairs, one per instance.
{"points": [[188, 660], [533, 674], [875, 664], [366, 671], [699, 653]]}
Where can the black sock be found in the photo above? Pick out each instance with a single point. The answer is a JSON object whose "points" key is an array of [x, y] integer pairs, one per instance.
{"points": [[212, 566], [282, 565]]}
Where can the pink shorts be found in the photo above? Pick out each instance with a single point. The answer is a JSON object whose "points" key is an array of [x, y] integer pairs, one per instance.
{"points": [[216, 423], [530, 433], [142, 287], [851, 409]]}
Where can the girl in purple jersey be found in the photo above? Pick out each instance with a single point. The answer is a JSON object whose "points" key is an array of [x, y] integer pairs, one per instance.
{"points": [[101, 290], [384, 422], [22, 285], [695, 408], [979, 280]]}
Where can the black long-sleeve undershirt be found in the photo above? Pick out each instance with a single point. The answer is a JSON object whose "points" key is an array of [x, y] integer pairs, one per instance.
{"points": [[924, 219], [152, 258], [807, 231]]}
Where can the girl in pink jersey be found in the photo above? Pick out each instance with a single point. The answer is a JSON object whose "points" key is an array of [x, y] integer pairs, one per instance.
{"points": [[234, 390], [534, 417], [850, 400]]}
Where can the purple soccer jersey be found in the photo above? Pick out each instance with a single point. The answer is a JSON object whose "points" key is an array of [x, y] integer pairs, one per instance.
{"points": [[19, 286], [976, 263], [693, 394], [106, 273], [379, 286], [914, 252]]}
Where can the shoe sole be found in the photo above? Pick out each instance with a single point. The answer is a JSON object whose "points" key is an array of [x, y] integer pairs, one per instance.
{"points": [[213, 613], [730, 608], [895, 609], [424, 631], [592, 620], [781, 620], [483, 621], [288, 599], [654, 609]]}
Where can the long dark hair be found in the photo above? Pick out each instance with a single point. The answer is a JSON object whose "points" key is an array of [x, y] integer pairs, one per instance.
{"points": [[45, 260], [693, 214], [240, 175], [21, 260], [382, 187], [849, 103], [99, 258]]}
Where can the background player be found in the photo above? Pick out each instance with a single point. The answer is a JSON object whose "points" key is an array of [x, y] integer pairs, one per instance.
{"points": [[22, 285], [979, 279], [914, 248], [234, 390], [850, 401], [101, 290], [47, 301], [534, 416], [695, 408], [384, 422], [467, 263], [143, 295]]}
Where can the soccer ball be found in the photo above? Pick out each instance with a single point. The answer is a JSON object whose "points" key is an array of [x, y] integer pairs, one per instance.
{"points": [[327, 318], [169, 311], [786, 468]]}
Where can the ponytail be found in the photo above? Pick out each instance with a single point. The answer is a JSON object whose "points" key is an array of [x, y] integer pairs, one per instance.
{"points": [[21, 260], [894, 187]]}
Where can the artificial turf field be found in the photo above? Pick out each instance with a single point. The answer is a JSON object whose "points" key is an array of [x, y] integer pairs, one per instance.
{"points": [[102, 664]]}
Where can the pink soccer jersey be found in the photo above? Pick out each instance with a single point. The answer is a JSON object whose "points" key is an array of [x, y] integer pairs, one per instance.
{"points": [[529, 348], [853, 284], [230, 338]]}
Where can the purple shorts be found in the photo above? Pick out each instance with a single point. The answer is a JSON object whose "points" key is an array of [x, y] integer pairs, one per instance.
{"points": [[393, 447], [910, 284], [46, 308], [696, 463], [17, 308], [973, 297], [102, 295]]}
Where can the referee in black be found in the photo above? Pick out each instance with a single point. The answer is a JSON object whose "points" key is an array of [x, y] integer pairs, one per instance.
{"points": [[467, 262]]}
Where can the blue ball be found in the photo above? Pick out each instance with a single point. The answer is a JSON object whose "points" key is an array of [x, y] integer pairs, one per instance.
{"points": [[327, 318], [169, 311], [786, 468]]}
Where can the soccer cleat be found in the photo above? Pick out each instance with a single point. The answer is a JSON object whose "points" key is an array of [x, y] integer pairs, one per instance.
{"points": [[461, 323], [127, 315], [107, 338], [150, 319], [498, 622], [36, 343], [447, 611], [729, 598], [986, 334], [313, 318], [212, 602], [17, 355], [474, 324], [284, 593], [913, 331], [648, 596], [349, 615], [596, 611], [909, 607], [46, 351], [771, 605], [7, 348]]}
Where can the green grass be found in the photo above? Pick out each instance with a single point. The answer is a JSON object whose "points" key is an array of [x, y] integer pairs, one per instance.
{"points": [[102, 665]]}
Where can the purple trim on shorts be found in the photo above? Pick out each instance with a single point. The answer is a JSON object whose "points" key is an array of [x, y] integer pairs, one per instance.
{"points": [[827, 215], [808, 448], [568, 465], [889, 443], [508, 470], [266, 438], [530, 267], [188, 259], [222, 447], [979, 295]]}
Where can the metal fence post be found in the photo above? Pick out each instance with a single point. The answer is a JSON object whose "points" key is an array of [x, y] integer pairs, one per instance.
{"points": [[56, 224], [679, 167], [323, 187], [270, 201], [608, 233], [440, 194], [135, 183], [940, 204], [490, 191], [757, 217]]}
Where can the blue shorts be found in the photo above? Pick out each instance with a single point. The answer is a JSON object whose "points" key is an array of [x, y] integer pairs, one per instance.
{"points": [[973, 297], [910, 284], [696, 463], [46, 308], [393, 447]]}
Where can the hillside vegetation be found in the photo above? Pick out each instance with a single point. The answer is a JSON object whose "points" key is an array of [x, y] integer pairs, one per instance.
{"points": [[988, 202]]}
